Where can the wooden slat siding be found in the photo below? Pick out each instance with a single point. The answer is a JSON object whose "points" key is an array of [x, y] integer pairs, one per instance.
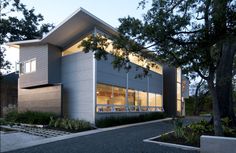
{"points": [[43, 99]]}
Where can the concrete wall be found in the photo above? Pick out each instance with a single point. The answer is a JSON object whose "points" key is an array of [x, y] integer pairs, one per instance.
{"points": [[107, 75], [77, 79], [40, 77], [43, 99], [213, 144]]}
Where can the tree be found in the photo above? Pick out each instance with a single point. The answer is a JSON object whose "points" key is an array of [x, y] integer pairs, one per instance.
{"points": [[198, 35], [18, 23]]}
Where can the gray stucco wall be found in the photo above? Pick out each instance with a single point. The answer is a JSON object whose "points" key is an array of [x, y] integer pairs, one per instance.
{"points": [[40, 77], [77, 80], [54, 64], [107, 75]]}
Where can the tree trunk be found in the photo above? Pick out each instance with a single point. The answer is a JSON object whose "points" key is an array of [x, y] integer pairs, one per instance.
{"points": [[224, 78], [216, 111], [196, 99]]}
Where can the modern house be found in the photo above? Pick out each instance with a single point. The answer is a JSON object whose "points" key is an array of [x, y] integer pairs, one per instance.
{"points": [[57, 76]]}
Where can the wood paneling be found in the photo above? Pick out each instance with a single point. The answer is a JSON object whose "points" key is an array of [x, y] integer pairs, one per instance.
{"points": [[43, 99]]}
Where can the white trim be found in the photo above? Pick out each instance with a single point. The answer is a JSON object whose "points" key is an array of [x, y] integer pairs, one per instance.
{"points": [[184, 147], [94, 82], [16, 44]]}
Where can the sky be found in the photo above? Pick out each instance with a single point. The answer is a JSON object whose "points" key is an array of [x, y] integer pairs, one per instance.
{"points": [[55, 11]]}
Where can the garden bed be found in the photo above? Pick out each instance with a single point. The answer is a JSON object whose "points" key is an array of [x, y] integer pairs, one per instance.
{"points": [[45, 120], [190, 135]]}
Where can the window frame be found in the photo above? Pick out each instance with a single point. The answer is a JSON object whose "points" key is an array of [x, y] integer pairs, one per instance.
{"points": [[22, 66]]}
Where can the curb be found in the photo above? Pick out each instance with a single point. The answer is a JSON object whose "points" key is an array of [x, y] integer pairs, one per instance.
{"points": [[184, 147]]}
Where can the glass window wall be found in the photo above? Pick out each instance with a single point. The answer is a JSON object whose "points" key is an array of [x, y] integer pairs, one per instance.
{"points": [[112, 99]]}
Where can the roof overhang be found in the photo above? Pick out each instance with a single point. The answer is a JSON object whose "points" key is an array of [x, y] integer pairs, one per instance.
{"points": [[80, 23]]}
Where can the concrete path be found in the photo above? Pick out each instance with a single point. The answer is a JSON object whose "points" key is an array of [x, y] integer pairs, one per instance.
{"points": [[123, 140], [11, 139]]}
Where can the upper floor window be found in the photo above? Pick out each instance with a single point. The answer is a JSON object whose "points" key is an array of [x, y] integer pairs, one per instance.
{"points": [[27, 66]]}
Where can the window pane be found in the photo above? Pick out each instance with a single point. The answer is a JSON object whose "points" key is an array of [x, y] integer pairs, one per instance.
{"points": [[179, 106], [151, 97], [27, 67], [152, 102], [119, 96], [178, 74], [159, 100], [104, 94], [137, 100], [104, 97], [33, 65], [178, 91], [131, 97], [143, 100]]}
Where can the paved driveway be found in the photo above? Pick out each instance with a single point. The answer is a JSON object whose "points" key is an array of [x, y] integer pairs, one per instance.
{"points": [[125, 140]]}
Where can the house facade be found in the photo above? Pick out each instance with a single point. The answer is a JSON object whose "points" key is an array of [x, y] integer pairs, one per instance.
{"points": [[57, 76]]}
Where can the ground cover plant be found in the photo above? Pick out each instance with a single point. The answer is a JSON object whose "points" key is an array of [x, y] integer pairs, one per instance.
{"points": [[70, 125], [190, 135], [29, 117]]}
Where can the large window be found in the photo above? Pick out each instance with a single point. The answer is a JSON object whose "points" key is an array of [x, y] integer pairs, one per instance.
{"points": [[28, 66], [113, 99]]}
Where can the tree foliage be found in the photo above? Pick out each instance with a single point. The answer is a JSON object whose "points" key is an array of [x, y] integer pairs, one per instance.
{"points": [[17, 22], [197, 35]]}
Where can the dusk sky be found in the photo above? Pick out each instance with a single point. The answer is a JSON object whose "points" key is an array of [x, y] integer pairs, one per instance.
{"points": [[57, 11]]}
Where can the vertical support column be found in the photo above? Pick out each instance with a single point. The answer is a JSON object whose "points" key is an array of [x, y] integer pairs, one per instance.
{"points": [[94, 81], [127, 88]]}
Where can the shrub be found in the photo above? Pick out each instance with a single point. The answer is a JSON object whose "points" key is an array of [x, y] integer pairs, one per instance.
{"points": [[2, 121], [70, 124], [29, 117], [9, 108], [114, 121], [11, 116], [202, 127], [178, 128], [228, 129]]}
